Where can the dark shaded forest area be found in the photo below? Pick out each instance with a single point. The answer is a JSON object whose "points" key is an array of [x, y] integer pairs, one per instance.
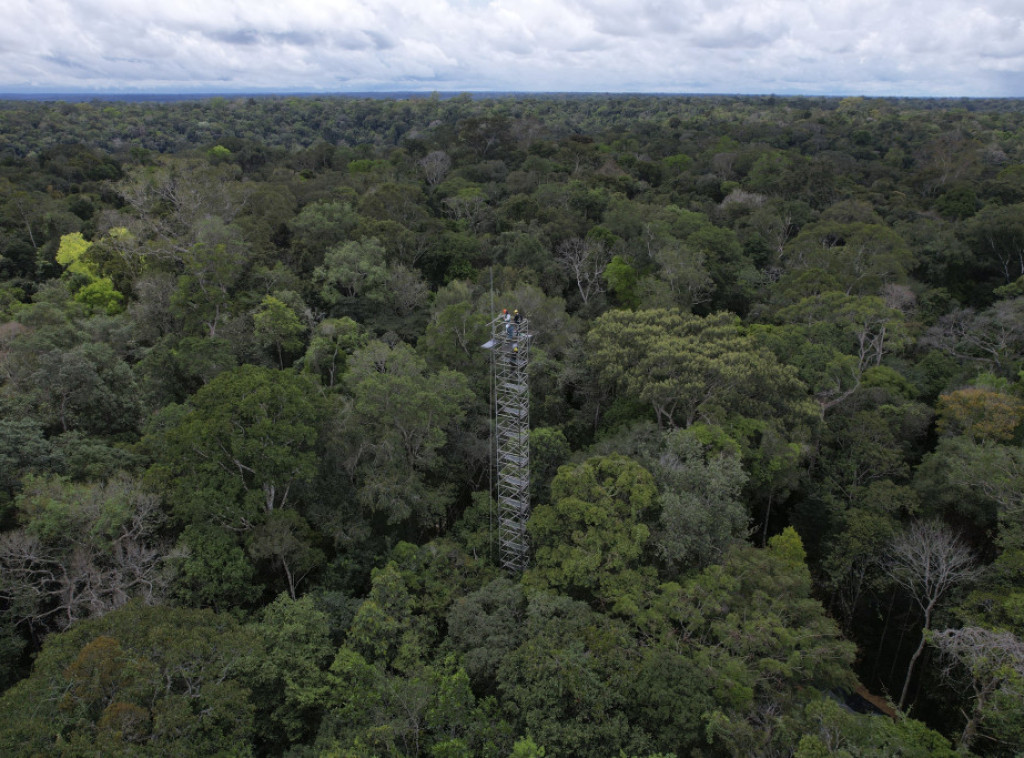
{"points": [[777, 390]]}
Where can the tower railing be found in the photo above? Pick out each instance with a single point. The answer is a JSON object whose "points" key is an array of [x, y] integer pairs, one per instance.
{"points": [[510, 359]]}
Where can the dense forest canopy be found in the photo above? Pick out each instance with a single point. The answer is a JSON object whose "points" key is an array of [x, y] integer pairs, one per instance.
{"points": [[777, 396]]}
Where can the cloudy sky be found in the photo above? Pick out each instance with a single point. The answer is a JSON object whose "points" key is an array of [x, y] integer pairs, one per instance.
{"points": [[870, 47]]}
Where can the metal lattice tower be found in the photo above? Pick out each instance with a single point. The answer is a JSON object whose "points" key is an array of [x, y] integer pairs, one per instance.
{"points": [[510, 358]]}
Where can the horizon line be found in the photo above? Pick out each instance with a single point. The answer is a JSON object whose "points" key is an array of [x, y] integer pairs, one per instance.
{"points": [[156, 95]]}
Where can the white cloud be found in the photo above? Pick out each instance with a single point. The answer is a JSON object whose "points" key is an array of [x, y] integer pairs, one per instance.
{"points": [[914, 47]]}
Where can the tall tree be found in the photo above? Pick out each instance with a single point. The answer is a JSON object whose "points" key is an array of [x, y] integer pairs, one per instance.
{"points": [[834, 339], [590, 541], [278, 327], [701, 511], [240, 448], [767, 645], [692, 368], [570, 679], [992, 338], [927, 561], [584, 262], [400, 418], [862, 257]]}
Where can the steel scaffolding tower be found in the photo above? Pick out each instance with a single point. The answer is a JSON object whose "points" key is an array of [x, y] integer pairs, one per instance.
{"points": [[510, 359]]}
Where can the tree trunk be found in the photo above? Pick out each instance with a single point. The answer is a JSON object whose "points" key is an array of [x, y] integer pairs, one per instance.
{"points": [[767, 513], [970, 729], [915, 656]]}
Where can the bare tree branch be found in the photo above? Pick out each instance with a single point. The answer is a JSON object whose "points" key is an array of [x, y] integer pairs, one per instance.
{"points": [[993, 662], [927, 561]]}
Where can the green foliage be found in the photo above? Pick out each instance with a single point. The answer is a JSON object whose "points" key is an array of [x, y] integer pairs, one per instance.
{"points": [[998, 600], [979, 480], [485, 626], [691, 368], [140, 681], [992, 663], [318, 227], [438, 574], [453, 337], [853, 561], [332, 342], [81, 550], [835, 339], [382, 630], [12, 648], [278, 327], [239, 449], [621, 279], [399, 420], [290, 681], [833, 731], [83, 388], [23, 450], [99, 296], [213, 571], [570, 680], [701, 510], [788, 548], [97, 292], [957, 203], [218, 154], [204, 297], [429, 711], [589, 541], [352, 270], [174, 369], [287, 542], [771, 644], [72, 247], [549, 449], [525, 747], [795, 289], [672, 697], [861, 257]]}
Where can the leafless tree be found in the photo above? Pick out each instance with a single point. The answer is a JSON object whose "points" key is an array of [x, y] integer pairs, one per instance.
{"points": [[927, 561], [723, 164], [406, 290], [994, 338], [88, 565], [743, 198], [994, 663], [777, 226], [899, 297], [470, 207], [175, 205], [435, 166], [585, 261], [685, 271]]}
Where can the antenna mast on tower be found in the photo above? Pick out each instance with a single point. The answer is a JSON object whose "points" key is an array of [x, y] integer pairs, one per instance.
{"points": [[510, 360]]}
